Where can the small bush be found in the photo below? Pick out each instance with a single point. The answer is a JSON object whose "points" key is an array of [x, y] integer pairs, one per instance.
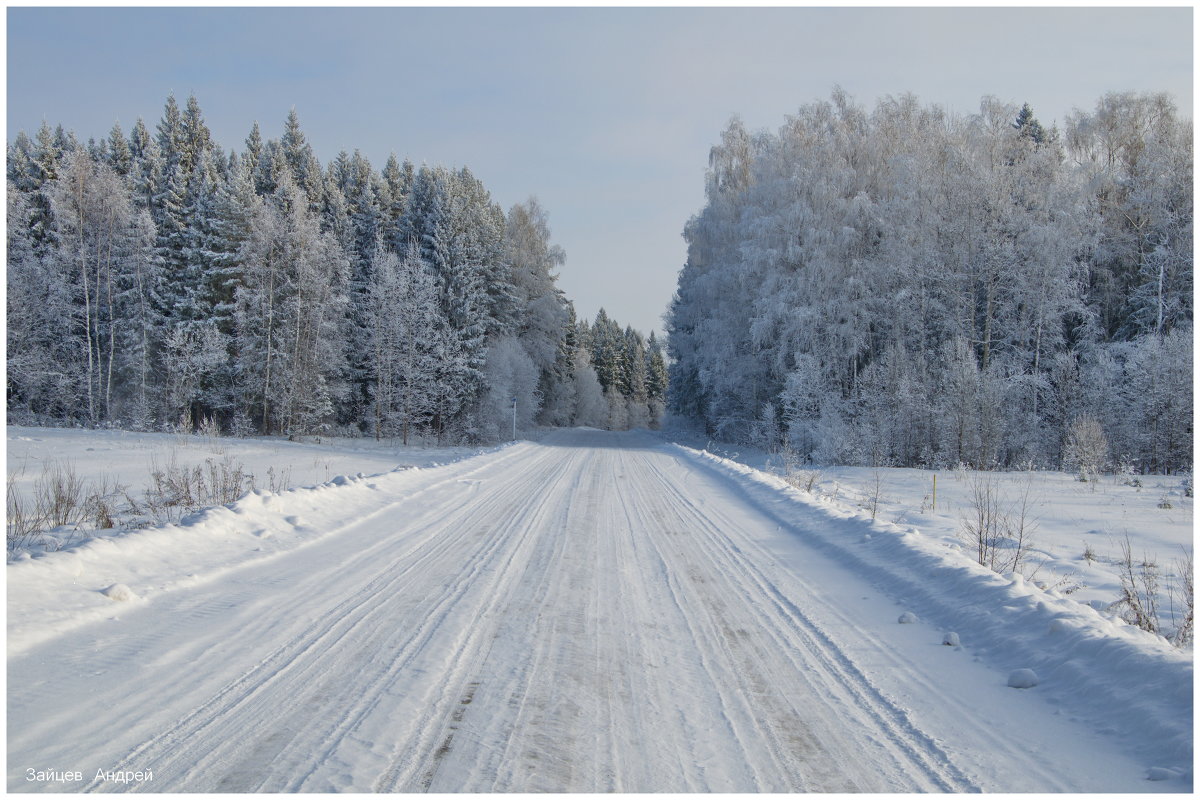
{"points": [[791, 471], [60, 498], [1139, 598], [101, 505], [209, 428], [279, 483], [58, 495], [1000, 532], [1086, 448], [1184, 598], [23, 520], [175, 490], [874, 491]]}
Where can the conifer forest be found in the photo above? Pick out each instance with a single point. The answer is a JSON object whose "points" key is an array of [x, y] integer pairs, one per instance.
{"points": [[159, 281], [899, 286]]}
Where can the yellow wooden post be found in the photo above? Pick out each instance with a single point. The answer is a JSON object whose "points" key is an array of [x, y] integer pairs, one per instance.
{"points": [[934, 506]]}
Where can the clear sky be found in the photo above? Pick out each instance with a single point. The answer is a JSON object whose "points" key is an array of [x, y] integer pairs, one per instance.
{"points": [[605, 114]]}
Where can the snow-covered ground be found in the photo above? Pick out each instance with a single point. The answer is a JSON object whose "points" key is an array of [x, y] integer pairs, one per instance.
{"points": [[1077, 531], [120, 463], [126, 457], [597, 611], [1076, 528]]}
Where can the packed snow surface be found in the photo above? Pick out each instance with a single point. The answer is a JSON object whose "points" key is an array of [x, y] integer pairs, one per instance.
{"points": [[593, 612]]}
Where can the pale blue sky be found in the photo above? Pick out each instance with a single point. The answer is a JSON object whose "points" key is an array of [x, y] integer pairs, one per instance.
{"points": [[606, 115]]}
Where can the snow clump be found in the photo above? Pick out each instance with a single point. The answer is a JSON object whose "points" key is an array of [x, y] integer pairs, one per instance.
{"points": [[1023, 679], [907, 618], [1161, 774], [119, 592], [950, 639]]}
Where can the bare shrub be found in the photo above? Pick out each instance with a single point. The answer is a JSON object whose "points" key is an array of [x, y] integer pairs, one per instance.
{"points": [[60, 498], [22, 519], [102, 512], [1139, 598], [279, 483], [1086, 448], [227, 481], [1184, 599], [184, 425], [172, 488], [981, 525], [999, 531], [1066, 584], [175, 490], [58, 494], [101, 506], [792, 471], [875, 491], [209, 428]]}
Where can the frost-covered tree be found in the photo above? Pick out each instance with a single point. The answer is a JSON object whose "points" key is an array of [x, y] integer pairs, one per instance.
{"points": [[511, 381], [1086, 448], [291, 360], [608, 351], [656, 380], [544, 320], [43, 366], [301, 162], [591, 406], [912, 287], [158, 278], [1135, 155], [119, 156], [101, 248], [407, 338]]}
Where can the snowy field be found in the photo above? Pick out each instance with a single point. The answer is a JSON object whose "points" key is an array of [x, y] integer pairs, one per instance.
{"points": [[119, 465], [1075, 529], [127, 457], [593, 612]]}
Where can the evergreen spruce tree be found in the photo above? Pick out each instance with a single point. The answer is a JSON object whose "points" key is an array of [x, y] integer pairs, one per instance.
{"points": [[253, 156], [172, 139], [20, 163], [195, 137], [120, 158], [399, 224], [147, 170], [1028, 127], [608, 352], [301, 161]]}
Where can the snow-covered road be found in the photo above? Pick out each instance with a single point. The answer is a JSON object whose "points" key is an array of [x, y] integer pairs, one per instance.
{"points": [[595, 612]]}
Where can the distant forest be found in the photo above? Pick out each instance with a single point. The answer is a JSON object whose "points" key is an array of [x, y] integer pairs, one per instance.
{"points": [[906, 286], [157, 281]]}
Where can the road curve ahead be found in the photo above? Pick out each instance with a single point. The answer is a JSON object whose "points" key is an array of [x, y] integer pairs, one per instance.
{"points": [[589, 613]]}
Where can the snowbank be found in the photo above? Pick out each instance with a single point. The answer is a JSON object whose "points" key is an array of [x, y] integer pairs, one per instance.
{"points": [[59, 591], [1123, 681]]}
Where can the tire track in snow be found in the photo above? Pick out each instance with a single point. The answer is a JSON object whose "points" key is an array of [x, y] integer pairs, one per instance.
{"points": [[792, 624], [466, 602], [811, 657], [571, 616], [778, 748], [416, 766], [212, 738]]}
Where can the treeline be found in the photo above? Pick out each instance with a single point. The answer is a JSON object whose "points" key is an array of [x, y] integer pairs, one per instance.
{"points": [[910, 287], [156, 280]]}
